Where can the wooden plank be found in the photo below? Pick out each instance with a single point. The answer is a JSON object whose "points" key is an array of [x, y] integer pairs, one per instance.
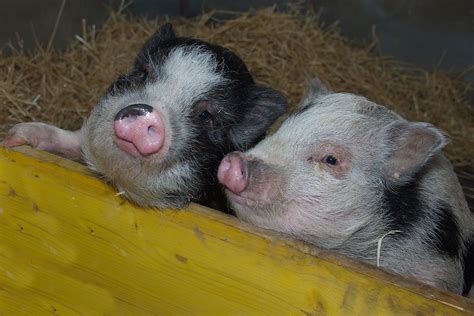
{"points": [[70, 245]]}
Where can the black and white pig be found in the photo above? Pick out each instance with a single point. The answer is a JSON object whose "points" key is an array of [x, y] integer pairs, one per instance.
{"points": [[160, 131], [347, 174]]}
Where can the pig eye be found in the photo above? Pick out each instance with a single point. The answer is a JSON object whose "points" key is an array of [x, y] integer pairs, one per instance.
{"points": [[205, 116], [144, 76], [205, 112], [143, 72], [330, 160]]}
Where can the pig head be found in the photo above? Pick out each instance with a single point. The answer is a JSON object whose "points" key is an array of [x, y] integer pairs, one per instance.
{"points": [[161, 129], [347, 174]]}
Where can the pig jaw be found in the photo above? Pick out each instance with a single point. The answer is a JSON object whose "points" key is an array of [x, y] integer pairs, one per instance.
{"points": [[248, 183], [145, 181], [302, 197], [160, 179], [149, 181], [264, 201]]}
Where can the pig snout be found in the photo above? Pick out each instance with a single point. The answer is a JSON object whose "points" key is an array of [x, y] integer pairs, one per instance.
{"points": [[139, 129], [233, 172]]}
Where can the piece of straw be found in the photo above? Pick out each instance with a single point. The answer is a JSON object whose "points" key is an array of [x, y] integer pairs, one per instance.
{"points": [[379, 243]]}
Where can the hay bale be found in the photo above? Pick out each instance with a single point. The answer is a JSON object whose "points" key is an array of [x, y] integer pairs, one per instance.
{"points": [[283, 50]]}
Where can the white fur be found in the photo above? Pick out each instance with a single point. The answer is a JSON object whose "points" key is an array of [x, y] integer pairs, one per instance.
{"points": [[186, 76]]}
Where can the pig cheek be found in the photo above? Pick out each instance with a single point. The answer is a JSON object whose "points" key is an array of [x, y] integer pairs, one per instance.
{"points": [[104, 157], [261, 195], [258, 194], [266, 183]]}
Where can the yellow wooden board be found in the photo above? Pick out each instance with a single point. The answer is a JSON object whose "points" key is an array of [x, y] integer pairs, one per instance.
{"points": [[70, 245]]}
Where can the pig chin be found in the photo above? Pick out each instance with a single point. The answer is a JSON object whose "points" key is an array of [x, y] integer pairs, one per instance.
{"points": [[251, 198], [255, 197], [250, 185], [150, 181], [164, 188], [157, 200]]}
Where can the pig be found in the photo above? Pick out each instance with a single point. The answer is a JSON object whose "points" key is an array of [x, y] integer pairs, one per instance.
{"points": [[346, 174], [161, 129]]}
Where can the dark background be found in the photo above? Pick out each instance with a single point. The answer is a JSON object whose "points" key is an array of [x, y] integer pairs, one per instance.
{"points": [[429, 33]]}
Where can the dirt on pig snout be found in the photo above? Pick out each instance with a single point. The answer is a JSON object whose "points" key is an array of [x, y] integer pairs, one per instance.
{"points": [[281, 49]]}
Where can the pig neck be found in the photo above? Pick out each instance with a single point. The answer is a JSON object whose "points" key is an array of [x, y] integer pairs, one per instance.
{"points": [[428, 213]]}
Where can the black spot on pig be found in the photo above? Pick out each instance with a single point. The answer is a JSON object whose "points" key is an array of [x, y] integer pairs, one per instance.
{"points": [[405, 210], [403, 205], [125, 82], [158, 48], [228, 63], [446, 235], [254, 104], [469, 266]]}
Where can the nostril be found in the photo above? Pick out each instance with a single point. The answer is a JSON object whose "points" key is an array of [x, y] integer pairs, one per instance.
{"points": [[152, 131], [132, 111]]}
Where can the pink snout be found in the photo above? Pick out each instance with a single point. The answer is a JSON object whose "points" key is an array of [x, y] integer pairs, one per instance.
{"points": [[139, 129], [233, 172]]}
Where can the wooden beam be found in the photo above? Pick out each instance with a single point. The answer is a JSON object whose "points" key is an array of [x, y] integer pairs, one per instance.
{"points": [[70, 245]]}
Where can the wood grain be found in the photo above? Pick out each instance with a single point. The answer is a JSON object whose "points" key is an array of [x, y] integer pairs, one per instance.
{"points": [[70, 245]]}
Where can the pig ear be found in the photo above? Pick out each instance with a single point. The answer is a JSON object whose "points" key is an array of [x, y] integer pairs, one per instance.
{"points": [[413, 144], [315, 89], [164, 33], [266, 105]]}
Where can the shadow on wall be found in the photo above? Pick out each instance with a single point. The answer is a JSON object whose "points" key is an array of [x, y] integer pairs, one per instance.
{"points": [[34, 21], [429, 33]]}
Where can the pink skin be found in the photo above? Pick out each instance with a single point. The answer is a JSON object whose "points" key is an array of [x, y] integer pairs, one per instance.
{"points": [[141, 135], [233, 172], [45, 137], [243, 188]]}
